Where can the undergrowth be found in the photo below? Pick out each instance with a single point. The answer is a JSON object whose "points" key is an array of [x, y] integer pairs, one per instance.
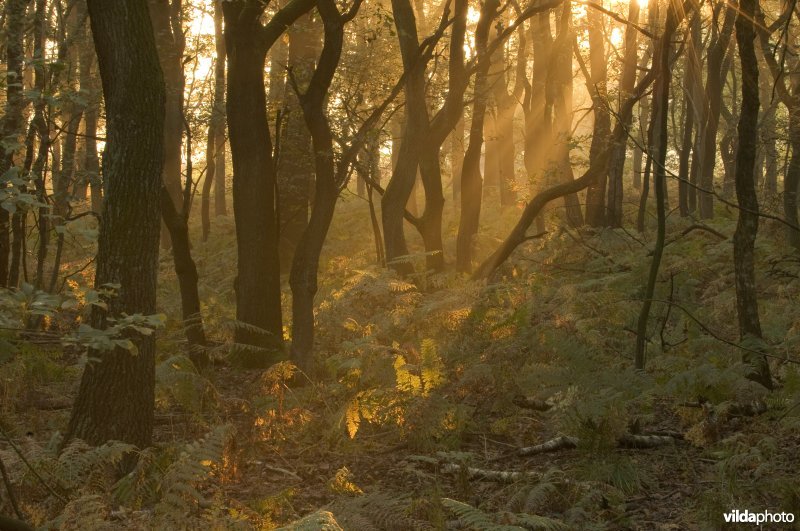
{"points": [[420, 373]]}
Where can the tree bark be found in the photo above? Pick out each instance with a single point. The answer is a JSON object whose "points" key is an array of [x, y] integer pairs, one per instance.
{"points": [[257, 285], [295, 164], [167, 17], [11, 123], [747, 226], [116, 396]]}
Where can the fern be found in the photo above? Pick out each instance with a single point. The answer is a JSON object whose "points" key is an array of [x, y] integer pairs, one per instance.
{"points": [[478, 520], [179, 486]]}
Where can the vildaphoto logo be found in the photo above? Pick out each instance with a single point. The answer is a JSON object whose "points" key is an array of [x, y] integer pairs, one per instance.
{"points": [[764, 517]]}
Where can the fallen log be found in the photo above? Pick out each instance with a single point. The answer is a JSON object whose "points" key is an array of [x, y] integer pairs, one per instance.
{"points": [[626, 441]]}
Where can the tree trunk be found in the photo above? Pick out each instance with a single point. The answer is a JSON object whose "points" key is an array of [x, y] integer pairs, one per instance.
{"points": [[596, 214], [186, 271], [215, 146], [619, 150], [257, 285], [11, 123], [559, 99], [658, 152], [295, 164], [166, 17], [471, 181], [220, 170], [714, 84], [404, 174], [692, 102], [747, 227], [116, 396], [457, 158]]}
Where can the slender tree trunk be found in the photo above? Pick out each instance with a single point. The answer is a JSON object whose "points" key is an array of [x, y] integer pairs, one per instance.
{"points": [[215, 146], [559, 96], [116, 396], [714, 84], [692, 105], [619, 153], [220, 170], [404, 175], [747, 227], [596, 213], [11, 123], [471, 181], [166, 16], [186, 271], [658, 152], [457, 158]]}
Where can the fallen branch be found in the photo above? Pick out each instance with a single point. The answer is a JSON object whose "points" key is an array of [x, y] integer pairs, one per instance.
{"points": [[501, 476], [645, 441], [569, 443], [553, 445]]}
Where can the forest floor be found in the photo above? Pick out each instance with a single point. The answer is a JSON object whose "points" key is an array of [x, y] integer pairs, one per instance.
{"points": [[428, 387]]}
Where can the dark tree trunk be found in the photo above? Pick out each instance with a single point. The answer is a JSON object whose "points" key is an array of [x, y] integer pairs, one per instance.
{"points": [[714, 84], [220, 170], [692, 101], [331, 175], [619, 150], [471, 181], [11, 123], [166, 17], [43, 132], [596, 214], [186, 271], [116, 396], [257, 285], [747, 227], [404, 174], [658, 152]]}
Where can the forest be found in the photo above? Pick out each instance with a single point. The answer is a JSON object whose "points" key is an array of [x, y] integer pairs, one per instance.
{"points": [[399, 264]]}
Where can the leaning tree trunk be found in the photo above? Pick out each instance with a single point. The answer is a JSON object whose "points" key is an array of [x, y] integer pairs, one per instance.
{"points": [[116, 397], [747, 227]]}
